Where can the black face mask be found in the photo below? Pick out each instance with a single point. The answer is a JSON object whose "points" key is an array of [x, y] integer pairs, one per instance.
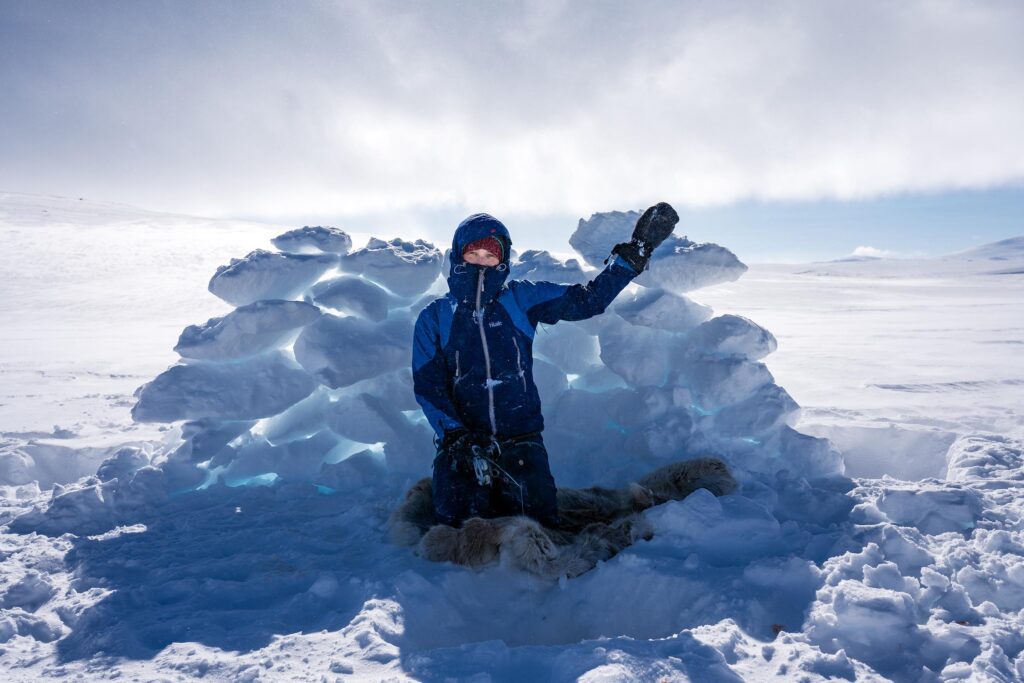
{"points": [[464, 281]]}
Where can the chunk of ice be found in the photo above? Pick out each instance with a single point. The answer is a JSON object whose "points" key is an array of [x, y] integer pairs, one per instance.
{"points": [[542, 266], [352, 295], [733, 335], [342, 351], [264, 274], [247, 331], [314, 239], [405, 268], [254, 388], [657, 308]]}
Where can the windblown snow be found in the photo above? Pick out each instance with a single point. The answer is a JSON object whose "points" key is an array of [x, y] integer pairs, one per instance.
{"points": [[235, 529]]}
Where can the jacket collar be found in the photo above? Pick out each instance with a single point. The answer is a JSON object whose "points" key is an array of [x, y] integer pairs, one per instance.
{"points": [[464, 281]]}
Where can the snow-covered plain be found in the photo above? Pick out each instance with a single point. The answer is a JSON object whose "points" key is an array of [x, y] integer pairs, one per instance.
{"points": [[912, 570]]}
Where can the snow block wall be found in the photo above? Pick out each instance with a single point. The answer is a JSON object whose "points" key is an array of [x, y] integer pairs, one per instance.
{"points": [[308, 379]]}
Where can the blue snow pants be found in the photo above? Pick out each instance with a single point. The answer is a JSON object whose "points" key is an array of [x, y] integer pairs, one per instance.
{"points": [[521, 484]]}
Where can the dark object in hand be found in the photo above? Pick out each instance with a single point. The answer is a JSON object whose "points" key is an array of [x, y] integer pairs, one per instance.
{"points": [[459, 443], [653, 228]]}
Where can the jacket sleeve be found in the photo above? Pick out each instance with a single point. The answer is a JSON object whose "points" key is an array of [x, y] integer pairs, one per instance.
{"points": [[430, 376], [548, 302]]}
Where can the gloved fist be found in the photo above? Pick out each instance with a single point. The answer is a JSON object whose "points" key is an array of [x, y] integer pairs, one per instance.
{"points": [[653, 228], [459, 444]]}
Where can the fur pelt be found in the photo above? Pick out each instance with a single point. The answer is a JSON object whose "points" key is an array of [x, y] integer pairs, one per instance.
{"points": [[596, 523]]}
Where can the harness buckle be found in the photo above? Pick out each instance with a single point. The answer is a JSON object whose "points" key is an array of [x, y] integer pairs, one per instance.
{"points": [[482, 470]]}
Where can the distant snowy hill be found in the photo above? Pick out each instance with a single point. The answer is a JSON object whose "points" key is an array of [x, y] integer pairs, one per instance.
{"points": [[1005, 257]]}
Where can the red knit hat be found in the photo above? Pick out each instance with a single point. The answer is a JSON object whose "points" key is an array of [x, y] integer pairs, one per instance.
{"points": [[490, 243]]}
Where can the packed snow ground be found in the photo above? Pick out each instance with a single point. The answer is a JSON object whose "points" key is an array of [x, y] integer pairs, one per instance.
{"points": [[912, 578]]}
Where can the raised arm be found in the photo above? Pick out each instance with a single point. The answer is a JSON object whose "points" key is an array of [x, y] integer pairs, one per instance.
{"points": [[429, 376], [548, 302]]}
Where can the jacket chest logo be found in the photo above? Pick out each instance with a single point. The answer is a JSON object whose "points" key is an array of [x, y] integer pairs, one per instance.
{"points": [[494, 323]]}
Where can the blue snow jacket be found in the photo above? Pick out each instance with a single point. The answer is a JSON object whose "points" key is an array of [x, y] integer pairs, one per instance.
{"points": [[472, 356]]}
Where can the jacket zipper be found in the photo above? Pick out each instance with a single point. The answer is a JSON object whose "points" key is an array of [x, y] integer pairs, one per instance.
{"points": [[487, 353], [519, 364]]}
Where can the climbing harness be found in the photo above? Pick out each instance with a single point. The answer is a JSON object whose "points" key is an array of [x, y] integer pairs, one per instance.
{"points": [[485, 475]]}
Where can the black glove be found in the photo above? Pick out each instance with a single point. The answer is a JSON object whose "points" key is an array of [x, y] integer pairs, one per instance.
{"points": [[459, 443], [654, 226], [451, 436]]}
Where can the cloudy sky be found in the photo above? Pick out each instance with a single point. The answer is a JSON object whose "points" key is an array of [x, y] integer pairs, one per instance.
{"points": [[781, 129]]}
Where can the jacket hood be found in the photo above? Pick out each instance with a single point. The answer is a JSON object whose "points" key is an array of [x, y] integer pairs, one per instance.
{"points": [[476, 227], [463, 278]]}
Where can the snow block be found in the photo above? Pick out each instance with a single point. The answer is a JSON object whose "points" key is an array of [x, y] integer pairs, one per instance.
{"points": [[807, 456], [204, 438], [768, 408], [16, 467], [122, 463], [542, 266], [588, 432], [931, 509], [298, 460], [718, 382], [251, 389], [411, 451], [657, 308], [568, 346], [356, 471], [300, 421], [681, 266], [247, 331], [678, 265], [394, 389], [594, 237], [640, 355], [361, 418], [733, 335], [731, 530], [268, 275], [352, 295], [550, 381], [339, 352], [405, 268], [669, 437], [314, 239]]}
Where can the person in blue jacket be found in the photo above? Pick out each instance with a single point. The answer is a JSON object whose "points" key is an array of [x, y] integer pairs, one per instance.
{"points": [[473, 367]]}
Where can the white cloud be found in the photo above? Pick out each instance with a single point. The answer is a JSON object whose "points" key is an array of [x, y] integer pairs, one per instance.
{"points": [[872, 252], [529, 107]]}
